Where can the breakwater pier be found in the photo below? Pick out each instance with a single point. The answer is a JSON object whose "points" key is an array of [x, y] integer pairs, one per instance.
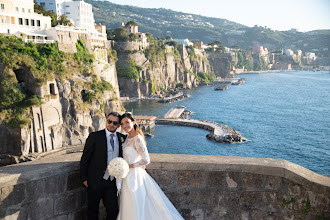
{"points": [[218, 132]]}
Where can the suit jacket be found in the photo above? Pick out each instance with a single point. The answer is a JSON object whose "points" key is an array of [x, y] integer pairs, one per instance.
{"points": [[93, 163]]}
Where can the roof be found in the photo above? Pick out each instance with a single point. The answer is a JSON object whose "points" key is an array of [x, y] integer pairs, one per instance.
{"points": [[33, 34]]}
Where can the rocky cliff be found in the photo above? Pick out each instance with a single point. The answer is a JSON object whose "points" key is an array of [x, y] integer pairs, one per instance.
{"points": [[166, 73]]}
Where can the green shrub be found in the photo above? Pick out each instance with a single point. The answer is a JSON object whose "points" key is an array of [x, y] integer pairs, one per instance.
{"points": [[206, 77], [180, 85], [82, 55], [131, 71]]}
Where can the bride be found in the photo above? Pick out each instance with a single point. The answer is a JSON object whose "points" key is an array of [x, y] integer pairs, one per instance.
{"points": [[141, 198]]}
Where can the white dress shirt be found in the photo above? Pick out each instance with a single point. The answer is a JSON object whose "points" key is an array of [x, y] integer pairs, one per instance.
{"points": [[111, 153]]}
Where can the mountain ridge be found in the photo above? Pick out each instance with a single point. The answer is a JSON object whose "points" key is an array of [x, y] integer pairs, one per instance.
{"points": [[162, 22]]}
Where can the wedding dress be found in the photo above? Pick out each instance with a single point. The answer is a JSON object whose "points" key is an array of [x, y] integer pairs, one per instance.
{"points": [[141, 198]]}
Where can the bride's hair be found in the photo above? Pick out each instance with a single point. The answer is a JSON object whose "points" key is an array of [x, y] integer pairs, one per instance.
{"points": [[136, 126]]}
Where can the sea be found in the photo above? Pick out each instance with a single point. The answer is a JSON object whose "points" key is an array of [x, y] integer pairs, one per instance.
{"points": [[284, 115]]}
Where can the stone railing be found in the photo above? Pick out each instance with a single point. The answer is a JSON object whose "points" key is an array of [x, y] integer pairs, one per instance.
{"points": [[201, 187]]}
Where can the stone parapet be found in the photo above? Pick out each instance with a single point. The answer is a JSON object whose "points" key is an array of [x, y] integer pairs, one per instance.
{"points": [[200, 187]]}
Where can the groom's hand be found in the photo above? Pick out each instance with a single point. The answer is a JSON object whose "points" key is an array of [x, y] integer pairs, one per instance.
{"points": [[85, 183]]}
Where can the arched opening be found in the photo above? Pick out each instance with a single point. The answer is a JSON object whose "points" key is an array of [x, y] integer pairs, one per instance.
{"points": [[20, 76]]}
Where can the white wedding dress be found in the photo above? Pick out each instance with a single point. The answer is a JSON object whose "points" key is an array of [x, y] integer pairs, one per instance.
{"points": [[141, 198]]}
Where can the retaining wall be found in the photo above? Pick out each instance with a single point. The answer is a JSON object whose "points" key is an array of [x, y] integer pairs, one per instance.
{"points": [[201, 187]]}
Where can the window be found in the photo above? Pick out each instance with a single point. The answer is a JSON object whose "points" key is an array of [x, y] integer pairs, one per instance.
{"points": [[52, 89], [50, 3], [20, 21], [32, 23], [23, 10], [26, 21], [2, 6], [17, 9], [67, 13], [38, 23], [29, 10]]}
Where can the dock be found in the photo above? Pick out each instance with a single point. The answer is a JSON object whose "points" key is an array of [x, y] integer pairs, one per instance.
{"points": [[218, 132], [146, 123]]}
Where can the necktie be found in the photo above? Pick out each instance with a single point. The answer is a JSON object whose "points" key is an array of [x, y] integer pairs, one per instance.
{"points": [[112, 142]]}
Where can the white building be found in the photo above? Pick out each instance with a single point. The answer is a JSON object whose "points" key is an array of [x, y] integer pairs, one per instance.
{"points": [[310, 55], [17, 18], [185, 42], [289, 52], [79, 12]]}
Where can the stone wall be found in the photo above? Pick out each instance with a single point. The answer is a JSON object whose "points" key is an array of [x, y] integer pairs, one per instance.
{"points": [[201, 187]]}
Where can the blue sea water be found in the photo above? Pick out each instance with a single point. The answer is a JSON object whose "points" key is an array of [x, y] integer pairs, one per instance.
{"points": [[285, 115]]}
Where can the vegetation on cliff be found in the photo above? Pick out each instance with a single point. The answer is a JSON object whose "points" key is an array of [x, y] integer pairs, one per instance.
{"points": [[206, 77], [42, 62], [130, 70]]}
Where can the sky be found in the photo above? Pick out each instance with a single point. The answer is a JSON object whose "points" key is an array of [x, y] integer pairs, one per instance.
{"points": [[304, 15]]}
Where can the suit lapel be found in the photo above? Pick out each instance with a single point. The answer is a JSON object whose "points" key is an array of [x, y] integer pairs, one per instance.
{"points": [[120, 142], [103, 144]]}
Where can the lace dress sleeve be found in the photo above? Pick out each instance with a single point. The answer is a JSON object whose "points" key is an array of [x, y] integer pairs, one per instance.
{"points": [[141, 148]]}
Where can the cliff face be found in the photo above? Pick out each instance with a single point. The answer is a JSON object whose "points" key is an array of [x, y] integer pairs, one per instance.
{"points": [[164, 74], [65, 117], [81, 118], [221, 63]]}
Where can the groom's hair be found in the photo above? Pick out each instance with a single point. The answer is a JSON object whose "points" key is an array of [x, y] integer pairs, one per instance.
{"points": [[114, 114]]}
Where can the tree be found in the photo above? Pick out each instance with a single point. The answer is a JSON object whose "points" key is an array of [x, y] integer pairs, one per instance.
{"points": [[120, 34], [217, 42], [150, 38], [132, 23], [110, 34], [173, 43], [132, 37], [220, 49], [168, 38], [63, 20]]}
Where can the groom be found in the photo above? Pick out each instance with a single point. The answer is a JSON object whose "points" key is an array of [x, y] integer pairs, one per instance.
{"points": [[100, 147]]}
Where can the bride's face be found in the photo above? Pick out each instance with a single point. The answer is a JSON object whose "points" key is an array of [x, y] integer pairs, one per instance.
{"points": [[127, 124]]}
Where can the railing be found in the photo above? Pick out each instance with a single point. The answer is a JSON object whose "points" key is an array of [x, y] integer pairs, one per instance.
{"points": [[40, 41]]}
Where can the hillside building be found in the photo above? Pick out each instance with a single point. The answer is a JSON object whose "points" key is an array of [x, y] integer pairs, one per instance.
{"points": [[260, 50], [141, 37], [79, 12], [17, 17]]}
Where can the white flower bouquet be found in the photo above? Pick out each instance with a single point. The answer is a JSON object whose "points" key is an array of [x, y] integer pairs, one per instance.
{"points": [[118, 167]]}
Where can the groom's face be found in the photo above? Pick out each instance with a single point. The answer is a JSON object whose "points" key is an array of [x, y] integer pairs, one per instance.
{"points": [[112, 123]]}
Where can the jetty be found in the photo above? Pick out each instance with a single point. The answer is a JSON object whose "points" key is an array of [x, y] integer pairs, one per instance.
{"points": [[218, 132], [172, 98]]}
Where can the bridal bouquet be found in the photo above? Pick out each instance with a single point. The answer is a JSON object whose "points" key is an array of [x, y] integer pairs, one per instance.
{"points": [[118, 167]]}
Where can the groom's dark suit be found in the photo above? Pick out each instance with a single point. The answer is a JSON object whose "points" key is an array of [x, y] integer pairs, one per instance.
{"points": [[93, 165]]}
